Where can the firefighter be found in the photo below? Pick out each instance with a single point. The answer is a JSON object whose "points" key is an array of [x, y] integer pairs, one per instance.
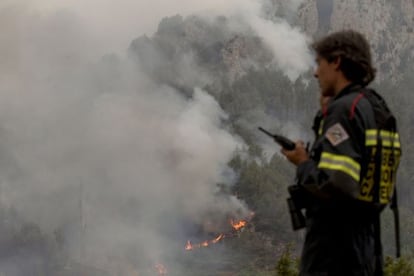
{"points": [[343, 196]]}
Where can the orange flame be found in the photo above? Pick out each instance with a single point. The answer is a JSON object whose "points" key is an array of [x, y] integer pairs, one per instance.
{"points": [[189, 246], [238, 225], [218, 238]]}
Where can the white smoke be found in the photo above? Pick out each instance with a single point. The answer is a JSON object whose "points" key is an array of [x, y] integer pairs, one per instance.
{"points": [[288, 44], [114, 23], [91, 141]]}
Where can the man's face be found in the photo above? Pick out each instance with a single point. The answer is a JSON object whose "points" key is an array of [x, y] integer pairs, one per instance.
{"points": [[327, 75]]}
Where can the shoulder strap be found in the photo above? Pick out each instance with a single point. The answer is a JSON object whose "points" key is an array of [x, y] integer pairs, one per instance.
{"points": [[354, 104], [383, 115]]}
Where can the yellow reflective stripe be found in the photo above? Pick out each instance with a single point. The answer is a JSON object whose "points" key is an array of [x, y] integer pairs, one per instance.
{"points": [[343, 158], [371, 142], [320, 130], [393, 139], [389, 138], [395, 144], [340, 163], [371, 137]]}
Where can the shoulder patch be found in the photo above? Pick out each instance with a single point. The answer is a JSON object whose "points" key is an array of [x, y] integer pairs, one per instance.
{"points": [[336, 134]]}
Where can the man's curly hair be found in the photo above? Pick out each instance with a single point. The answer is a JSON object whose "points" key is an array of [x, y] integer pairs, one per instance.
{"points": [[354, 52]]}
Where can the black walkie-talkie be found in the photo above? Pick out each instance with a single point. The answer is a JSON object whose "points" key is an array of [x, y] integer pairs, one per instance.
{"points": [[281, 140]]}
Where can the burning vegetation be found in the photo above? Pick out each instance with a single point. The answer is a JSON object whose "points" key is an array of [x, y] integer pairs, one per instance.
{"points": [[237, 225]]}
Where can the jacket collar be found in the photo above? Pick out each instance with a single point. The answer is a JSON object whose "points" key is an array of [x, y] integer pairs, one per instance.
{"points": [[347, 90]]}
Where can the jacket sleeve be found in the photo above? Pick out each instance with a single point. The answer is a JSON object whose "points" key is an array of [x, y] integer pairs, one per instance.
{"points": [[335, 165]]}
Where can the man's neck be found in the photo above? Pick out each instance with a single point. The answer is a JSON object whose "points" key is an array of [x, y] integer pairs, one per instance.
{"points": [[342, 83]]}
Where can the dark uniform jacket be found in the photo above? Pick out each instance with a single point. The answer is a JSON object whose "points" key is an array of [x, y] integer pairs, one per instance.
{"points": [[340, 236]]}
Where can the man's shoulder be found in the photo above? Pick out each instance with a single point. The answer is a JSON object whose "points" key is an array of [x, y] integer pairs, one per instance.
{"points": [[353, 109], [346, 102], [349, 101]]}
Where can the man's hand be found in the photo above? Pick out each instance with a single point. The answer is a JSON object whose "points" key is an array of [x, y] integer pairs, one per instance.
{"points": [[298, 155]]}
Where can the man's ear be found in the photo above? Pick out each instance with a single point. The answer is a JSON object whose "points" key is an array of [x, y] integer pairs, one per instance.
{"points": [[337, 62]]}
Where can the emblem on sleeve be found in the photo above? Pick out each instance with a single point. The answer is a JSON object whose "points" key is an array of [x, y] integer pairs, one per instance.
{"points": [[336, 134]]}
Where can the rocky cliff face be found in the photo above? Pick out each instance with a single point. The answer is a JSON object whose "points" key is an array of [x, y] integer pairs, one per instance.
{"points": [[387, 24], [220, 53]]}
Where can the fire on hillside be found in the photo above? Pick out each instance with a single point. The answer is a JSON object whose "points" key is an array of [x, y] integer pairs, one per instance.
{"points": [[237, 226]]}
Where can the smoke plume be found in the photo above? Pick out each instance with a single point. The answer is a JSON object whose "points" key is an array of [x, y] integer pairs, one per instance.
{"points": [[96, 151]]}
